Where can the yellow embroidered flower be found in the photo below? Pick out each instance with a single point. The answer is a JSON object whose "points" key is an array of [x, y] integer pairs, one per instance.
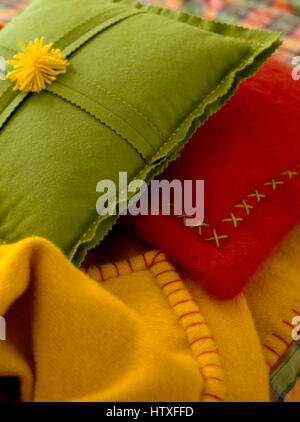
{"points": [[37, 66]]}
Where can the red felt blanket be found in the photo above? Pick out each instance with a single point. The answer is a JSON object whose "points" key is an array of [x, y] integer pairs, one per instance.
{"points": [[248, 154]]}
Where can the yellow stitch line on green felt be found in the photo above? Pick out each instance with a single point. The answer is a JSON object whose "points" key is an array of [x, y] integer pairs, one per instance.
{"points": [[247, 41], [127, 104]]}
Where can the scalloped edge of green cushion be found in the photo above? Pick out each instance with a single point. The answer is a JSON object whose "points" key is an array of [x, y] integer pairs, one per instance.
{"points": [[101, 226]]}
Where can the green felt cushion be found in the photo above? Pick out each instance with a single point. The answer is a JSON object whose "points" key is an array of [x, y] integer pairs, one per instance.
{"points": [[141, 80]]}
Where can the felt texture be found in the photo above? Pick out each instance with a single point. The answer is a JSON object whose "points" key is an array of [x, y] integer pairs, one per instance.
{"points": [[136, 347], [273, 296], [248, 154], [117, 334], [126, 103]]}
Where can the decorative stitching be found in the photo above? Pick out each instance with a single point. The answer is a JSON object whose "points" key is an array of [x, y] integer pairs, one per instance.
{"points": [[159, 262], [200, 225], [126, 103], [217, 238], [170, 282], [213, 396], [273, 351], [120, 16], [109, 21], [212, 364], [117, 269], [279, 356], [154, 258], [181, 302], [52, 90], [195, 323], [245, 206], [199, 336], [175, 291], [280, 338], [101, 272], [233, 219], [200, 339], [130, 266], [290, 174], [274, 183], [146, 264], [188, 314], [256, 195], [207, 352], [288, 324], [163, 272], [260, 44]]}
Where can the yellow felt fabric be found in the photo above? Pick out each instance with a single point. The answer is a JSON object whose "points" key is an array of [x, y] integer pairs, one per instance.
{"points": [[246, 375], [273, 296], [78, 341], [72, 338]]}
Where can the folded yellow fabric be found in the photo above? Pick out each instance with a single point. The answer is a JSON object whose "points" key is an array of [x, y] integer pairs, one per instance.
{"points": [[135, 333]]}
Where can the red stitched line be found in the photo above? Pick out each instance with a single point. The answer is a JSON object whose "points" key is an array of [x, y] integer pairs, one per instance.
{"points": [[288, 324], [207, 353], [297, 313], [154, 258], [215, 365], [130, 266], [281, 356], [213, 396], [101, 272], [175, 291], [181, 316], [271, 350], [195, 323], [201, 338], [117, 269], [213, 378], [280, 338], [182, 301], [159, 262], [163, 272], [169, 282], [188, 313], [145, 261]]}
